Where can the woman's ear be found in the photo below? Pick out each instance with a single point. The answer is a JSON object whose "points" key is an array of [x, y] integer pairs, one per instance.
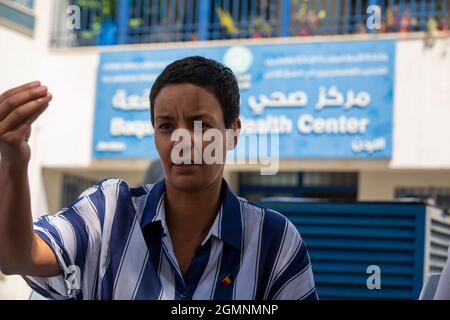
{"points": [[233, 134]]}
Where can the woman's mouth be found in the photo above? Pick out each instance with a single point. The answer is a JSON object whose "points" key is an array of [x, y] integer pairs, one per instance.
{"points": [[184, 167]]}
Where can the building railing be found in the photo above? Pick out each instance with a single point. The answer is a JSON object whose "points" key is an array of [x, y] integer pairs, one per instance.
{"points": [[109, 22]]}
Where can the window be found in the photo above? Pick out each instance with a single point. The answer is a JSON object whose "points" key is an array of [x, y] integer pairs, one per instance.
{"points": [[437, 195], [73, 186], [317, 185]]}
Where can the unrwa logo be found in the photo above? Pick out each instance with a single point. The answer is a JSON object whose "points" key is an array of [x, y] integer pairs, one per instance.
{"points": [[239, 59]]}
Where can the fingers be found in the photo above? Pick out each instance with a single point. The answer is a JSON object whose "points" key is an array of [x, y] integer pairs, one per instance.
{"points": [[26, 113], [17, 99], [36, 114], [21, 88]]}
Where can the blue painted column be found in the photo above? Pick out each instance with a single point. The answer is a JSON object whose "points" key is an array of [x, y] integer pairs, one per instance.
{"points": [[123, 16], [285, 18], [371, 3], [203, 12]]}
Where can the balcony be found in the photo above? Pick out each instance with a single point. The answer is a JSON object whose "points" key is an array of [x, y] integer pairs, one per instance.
{"points": [[111, 22]]}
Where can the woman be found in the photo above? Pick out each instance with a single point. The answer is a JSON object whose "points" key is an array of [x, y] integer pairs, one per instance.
{"points": [[185, 237]]}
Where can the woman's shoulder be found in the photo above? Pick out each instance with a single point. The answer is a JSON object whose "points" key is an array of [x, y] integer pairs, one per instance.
{"points": [[112, 190], [119, 187]]}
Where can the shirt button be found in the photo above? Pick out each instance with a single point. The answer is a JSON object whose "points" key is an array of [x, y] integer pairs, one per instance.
{"points": [[183, 295]]}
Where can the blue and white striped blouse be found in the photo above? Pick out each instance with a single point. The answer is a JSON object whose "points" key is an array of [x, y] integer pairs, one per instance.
{"points": [[113, 243]]}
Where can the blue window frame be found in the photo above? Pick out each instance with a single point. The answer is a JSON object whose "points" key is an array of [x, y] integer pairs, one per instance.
{"points": [[26, 3], [18, 15]]}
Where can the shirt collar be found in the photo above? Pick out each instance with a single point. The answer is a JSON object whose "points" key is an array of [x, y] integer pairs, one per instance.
{"points": [[228, 223]]}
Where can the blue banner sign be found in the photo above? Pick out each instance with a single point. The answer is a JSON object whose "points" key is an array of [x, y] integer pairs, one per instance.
{"points": [[324, 100]]}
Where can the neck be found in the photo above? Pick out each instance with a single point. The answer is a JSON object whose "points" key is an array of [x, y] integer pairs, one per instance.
{"points": [[191, 214]]}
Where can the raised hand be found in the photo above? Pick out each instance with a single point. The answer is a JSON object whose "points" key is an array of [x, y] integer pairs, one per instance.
{"points": [[19, 108]]}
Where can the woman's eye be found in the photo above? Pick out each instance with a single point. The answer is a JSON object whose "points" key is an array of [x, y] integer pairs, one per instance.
{"points": [[165, 126], [196, 124]]}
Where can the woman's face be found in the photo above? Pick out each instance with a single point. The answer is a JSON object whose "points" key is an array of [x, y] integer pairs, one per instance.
{"points": [[178, 106]]}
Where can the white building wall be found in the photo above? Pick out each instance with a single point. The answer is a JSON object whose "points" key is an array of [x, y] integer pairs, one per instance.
{"points": [[422, 105]]}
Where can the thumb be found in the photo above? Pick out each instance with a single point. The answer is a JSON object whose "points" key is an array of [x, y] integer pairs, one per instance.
{"points": [[23, 132]]}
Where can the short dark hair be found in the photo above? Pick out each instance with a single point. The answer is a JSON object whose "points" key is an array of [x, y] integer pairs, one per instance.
{"points": [[206, 73]]}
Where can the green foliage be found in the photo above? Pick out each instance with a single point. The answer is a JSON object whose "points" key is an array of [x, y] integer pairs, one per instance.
{"points": [[99, 11]]}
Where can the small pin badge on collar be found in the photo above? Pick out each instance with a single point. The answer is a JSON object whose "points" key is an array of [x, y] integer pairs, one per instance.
{"points": [[227, 280]]}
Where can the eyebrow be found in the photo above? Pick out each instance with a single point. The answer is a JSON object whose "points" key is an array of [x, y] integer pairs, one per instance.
{"points": [[190, 118], [164, 117], [199, 116]]}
